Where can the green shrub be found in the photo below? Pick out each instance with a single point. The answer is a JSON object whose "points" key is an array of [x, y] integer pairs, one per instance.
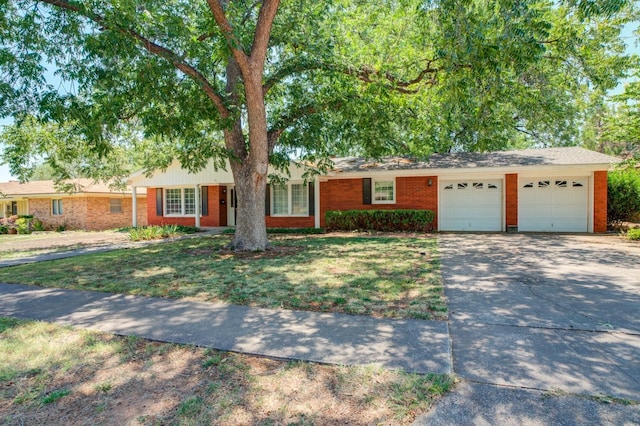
{"points": [[37, 225], [623, 194], [4, 229], [28, 224], [633, 234], [155, 232], [379, 220]]}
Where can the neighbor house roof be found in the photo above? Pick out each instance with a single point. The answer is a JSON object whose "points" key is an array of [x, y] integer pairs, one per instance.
{"points": [[47, 187], [466, 160]]}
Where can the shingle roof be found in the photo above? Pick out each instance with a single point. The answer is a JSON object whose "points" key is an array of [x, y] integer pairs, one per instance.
{"points": [[470, 160], [43, 187]]}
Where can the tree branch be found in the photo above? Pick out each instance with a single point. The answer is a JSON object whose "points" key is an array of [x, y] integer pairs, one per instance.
{"points": [[263, 31], [526, 132], [285, 122], [152, 48], [237, 50], [365, 74]]}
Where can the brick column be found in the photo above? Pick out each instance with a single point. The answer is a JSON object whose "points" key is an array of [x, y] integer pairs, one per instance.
{"points": [[600, 201], [511, 199]]}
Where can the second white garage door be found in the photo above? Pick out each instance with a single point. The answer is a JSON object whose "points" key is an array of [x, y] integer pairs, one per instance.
{"points": [[553, 204], [470, 205]]}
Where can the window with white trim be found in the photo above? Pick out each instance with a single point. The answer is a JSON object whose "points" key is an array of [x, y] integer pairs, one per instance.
{"points": [[56, 207], [384, 191], [180, 201], [290, 199]]}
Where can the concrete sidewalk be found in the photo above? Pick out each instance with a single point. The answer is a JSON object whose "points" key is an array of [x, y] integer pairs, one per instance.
{"points": [[412, 345]]}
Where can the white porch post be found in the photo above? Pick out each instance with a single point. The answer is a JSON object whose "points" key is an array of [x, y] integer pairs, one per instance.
{"points": [[134, 207], [198, 206], [316, 196]]}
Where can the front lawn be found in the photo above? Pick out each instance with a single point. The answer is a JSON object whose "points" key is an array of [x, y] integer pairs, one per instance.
{"points": [[52, 375], [379, 276]]}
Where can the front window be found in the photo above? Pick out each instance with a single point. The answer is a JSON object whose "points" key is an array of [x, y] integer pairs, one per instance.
{"points": [[174, 201], [291, 199], [56, 207], [189, 201], [180, 201], [115, 205], [384, 192], [280, 200]]}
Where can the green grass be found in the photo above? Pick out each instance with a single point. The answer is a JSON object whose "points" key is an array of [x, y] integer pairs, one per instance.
{"points": [[21, 254], [58, 375], [380, 276]]}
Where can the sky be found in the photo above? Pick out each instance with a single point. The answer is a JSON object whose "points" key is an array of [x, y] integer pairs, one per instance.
{"points": [[627, 33]]}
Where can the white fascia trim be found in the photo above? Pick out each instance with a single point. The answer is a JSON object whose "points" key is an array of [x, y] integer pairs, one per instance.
{"points": [[568, 170]]}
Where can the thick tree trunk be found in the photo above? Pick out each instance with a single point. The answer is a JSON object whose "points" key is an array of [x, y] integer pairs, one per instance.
{"points": [[250, 168], [251, 161], [251, 231]]}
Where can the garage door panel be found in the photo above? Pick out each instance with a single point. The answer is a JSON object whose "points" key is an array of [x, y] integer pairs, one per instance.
{"points": [[553, 204], [470, 205]]}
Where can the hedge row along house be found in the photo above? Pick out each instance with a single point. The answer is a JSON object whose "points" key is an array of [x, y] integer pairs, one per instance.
{"points": [[533, 190], [89, 206]]}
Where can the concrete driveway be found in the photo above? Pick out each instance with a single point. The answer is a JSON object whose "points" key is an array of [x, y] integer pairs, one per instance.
{"points": [[539, 315]]}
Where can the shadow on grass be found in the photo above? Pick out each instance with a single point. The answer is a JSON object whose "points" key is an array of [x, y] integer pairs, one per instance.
{"points": [[389, 277]]}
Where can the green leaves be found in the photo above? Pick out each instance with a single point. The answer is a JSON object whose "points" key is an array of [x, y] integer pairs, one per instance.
{"points": [[341, 77]]}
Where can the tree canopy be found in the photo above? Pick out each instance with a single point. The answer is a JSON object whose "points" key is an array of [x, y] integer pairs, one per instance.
{"points": [[259, 82]]}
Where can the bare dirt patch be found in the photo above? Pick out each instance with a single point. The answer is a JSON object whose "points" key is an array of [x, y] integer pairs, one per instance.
{"points": [[271, 252], [109, 380]]}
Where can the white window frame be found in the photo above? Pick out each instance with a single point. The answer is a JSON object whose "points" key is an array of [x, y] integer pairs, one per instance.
{"points": [[57, 208], [182, 202], [289, 213], [373, 190]]}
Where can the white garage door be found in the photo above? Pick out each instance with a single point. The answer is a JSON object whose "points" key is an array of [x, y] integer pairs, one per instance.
{"points": [[470, 205], [553, 204]]}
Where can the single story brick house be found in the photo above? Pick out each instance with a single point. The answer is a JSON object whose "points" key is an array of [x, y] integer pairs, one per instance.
{"points": [[532, 190], [90, 206]]}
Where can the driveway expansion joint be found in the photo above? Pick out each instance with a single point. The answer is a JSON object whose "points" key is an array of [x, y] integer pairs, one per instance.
{"points": [[559, 328]]}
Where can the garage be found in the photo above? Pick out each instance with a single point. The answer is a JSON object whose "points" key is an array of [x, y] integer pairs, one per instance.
{"points": [[470, 205], [553, 204]]}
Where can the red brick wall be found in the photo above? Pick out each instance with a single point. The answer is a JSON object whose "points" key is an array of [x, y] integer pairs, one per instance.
{"points": [[290, 222], [411, 193], [73, 209], [99, 214], [88, 213], [511, 198], [600, 201]]}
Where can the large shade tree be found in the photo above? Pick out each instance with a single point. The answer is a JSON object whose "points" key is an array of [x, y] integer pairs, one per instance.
{"points": [[257, 82]]}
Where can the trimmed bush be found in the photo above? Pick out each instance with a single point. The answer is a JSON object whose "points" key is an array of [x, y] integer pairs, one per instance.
{"points": [[623, 195], [155, 232], [379, 220], [28, 224]]}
